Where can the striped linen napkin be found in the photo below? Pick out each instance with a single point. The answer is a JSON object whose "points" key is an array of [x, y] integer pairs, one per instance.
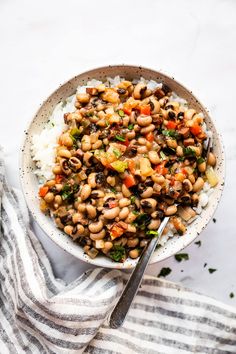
{"points": [[41, 314]]}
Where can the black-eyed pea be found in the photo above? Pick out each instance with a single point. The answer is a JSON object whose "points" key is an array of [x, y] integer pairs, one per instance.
{"points": [[64, 153], [123, 202], [68, 229], [111, 213], [179, 151], [171, 210], [147, 129], [85, 192], [147, 193], [142, 150], [96, 227], [172, 143], [98, 236], [125, 191], [125, 121], [85, 143], [133, 242], [144, 121], [87, 158], [51, 183], [211, 159], [154, 157], [107, 246], [130, 135], [189, 113], [192, 178], [198, 185], [130, 218], [134, 253], [202, 167], [56, 170], [143, 243], [58, 200], [80, 229], [137, 128], [91, 211], [131, 228], [66, 140], [142, 141], [124, 213], [92, 180], [154, 224], [139, 90], [187, 185], [97, 145], [111, 180], [158, 178], [81, 207], [49, 197]]}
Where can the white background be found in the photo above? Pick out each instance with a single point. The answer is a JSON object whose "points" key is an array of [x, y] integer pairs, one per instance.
{"points": [[44, 43]]}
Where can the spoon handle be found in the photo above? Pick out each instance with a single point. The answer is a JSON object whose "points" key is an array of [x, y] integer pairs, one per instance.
{"points": [[122, 307]]}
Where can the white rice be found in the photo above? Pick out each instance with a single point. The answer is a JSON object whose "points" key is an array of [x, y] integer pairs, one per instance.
{"points": [[45, 143]]}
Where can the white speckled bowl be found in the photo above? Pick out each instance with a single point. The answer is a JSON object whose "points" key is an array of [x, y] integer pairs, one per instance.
{"points": [[30, 183]]}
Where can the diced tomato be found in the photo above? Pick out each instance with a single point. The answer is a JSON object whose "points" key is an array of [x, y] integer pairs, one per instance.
{"points": [[43, 191], [180, 176], [172, 181], [150, 137], [131, 165], [127, 110], [195, 129], [112, 203], [171, 125], [116, 232], [126, 142], [161, 169], [184, 171], [129, 181], [145, 110], [58, 178]]}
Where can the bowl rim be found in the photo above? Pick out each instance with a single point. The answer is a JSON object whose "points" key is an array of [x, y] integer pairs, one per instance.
{"points": [[99, 261]]}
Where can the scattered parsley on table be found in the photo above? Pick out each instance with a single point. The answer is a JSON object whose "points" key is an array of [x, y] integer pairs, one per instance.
{"points": [[182, 257], [164, 272], [211, 270], [198, 243]]}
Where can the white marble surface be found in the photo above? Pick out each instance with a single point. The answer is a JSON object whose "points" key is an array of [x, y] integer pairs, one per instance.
{"points": [[44, 43]]}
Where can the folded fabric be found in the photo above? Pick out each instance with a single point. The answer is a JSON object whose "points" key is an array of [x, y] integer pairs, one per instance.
{"points": [[42, 314]]}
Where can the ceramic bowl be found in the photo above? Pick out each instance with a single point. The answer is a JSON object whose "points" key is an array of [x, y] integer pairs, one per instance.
{"points": [[30, 184]]}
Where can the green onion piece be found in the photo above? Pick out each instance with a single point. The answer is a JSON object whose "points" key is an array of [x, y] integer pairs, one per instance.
{"points": [[121, 113], [120, 138], [117, 152], [135, 212], [152, 232], [132, 199], [170, 133], [189, 152], [163, 156], [130, 126], [200, 160]]}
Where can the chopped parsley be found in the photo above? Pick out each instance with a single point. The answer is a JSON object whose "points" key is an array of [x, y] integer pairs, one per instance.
{"points": [[75, 134], [130, 126], [117, 253], [107, 123], [164, 272], [231, 295], [113, 190], [200, 160], [120, 138], [53, 124], [135, 212], [153, 233], [198, 243], [142, 221], [205, 264], [211, 270], [170, 133], [132, 199], [189, 152], [67, 192], [182, 257], [121, 113]]}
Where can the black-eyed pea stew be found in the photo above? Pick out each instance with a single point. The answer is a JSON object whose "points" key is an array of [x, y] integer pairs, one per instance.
{"points": [[128, 157]]}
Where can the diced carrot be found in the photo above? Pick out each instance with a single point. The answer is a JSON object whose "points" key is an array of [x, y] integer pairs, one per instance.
{"points": [[43, 191], [131, 165], [195, 129], [171, 125], [129, 181], [146, 110], [150, 137], [58, 178]]}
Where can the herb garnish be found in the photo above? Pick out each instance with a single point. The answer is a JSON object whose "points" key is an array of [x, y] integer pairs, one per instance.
{"points": [[120, 138], [132, 199], [117, 253], [130, 126], [189, 152], [163, 156], [164, 272], [170, 133], [211, 270], [135, 212], [153, 233], [121, 113], [113, 190], [198, 243], [231, 295], [200, 160], [142, 221], [67, 192], [182, 257]]}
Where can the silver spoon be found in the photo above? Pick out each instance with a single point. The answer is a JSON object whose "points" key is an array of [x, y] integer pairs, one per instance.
{"points": [[122, 307]]}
